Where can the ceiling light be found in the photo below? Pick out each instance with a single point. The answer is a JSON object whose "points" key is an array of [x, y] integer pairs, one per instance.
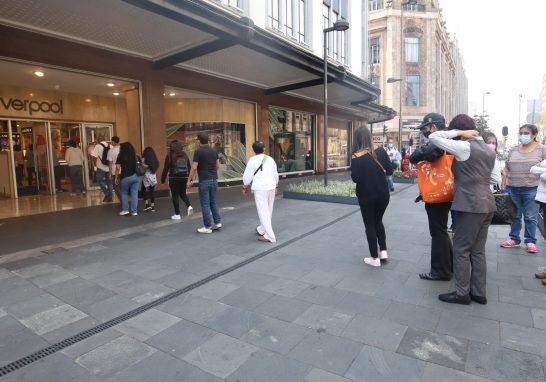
{"points": [[39, 74], [172, 94], [17, 125], [115, 93], [111, 83]]}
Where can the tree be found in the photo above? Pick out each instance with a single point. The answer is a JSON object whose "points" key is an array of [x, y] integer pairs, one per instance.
{"points": [[541, 126], [481, 126]]}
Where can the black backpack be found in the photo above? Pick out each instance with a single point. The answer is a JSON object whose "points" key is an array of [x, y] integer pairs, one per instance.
{"points": [[104, 157], [180, 167]]}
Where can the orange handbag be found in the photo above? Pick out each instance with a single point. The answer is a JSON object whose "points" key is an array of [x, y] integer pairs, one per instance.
{"points": [[435, 180]]}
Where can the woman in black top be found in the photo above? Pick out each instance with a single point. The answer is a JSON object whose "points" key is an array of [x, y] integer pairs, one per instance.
{"points": [[177, 177], [369, 169], [126, 176]]}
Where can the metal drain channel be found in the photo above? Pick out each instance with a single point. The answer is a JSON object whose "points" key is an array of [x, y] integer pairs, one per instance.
{"points": [[16, 365]]}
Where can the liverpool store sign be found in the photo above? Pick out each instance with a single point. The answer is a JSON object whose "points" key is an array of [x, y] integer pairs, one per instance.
{"points": [[32, 106]]}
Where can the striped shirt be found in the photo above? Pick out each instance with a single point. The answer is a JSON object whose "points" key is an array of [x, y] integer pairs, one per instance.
{"points": [[519, 164]]}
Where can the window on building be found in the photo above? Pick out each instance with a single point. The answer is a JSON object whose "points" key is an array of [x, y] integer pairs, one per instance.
{"points": [[338, 143], [375, 5], [289, 18], [375, 82], [273, 13], [412, 49], [335, 36], [374, 47], [235, 3], [301, 16], [413, 91], [411, 7], [326, 22]]}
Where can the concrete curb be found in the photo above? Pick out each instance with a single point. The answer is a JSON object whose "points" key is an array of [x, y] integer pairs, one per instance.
{"points": [[320, 198]]}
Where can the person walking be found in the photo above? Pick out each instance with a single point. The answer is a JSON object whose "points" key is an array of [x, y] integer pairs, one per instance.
{"points": [[441, 250], [394, 156], [112, 157], [75, 159], [369, 167], [100, 161], [523, 186], [540, 171], [177, 165], [31, 167], [127, 177], [149, 160], [19, 159], [474, 169], [261, 171], [206, 164]]}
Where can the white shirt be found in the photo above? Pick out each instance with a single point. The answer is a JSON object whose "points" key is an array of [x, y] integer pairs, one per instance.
{"points": [[541, 191], [74, 156], [113, 157], [460, 150], [265, 179], [394, 152], [97, 153]]}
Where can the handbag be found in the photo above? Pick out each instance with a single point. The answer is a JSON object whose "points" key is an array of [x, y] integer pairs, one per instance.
{"points": [[435, 180], [139, 167], [507, 209]]}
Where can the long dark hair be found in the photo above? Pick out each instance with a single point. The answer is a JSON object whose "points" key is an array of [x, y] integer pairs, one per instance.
{"points": [[127, 151], [362, 140], [176, 151], [151, 159]]}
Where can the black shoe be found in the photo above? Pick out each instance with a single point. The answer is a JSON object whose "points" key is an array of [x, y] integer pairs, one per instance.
{"points": [[147, 208], [453, 298], [392, 189], [106, 198], [479, 299], [430, 276], [152, 209]]}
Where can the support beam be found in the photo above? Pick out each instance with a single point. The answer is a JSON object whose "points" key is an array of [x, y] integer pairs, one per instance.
{"points": [[359, 103], [299, 85], [192, 53]]}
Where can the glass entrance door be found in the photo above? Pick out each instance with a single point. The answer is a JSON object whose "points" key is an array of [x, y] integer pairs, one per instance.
{"points": [[93, 135], [42, 158], [60, 136]]}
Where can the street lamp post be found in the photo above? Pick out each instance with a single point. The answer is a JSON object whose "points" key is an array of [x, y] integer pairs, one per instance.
{"points": [[340, 25], [483, 104]]}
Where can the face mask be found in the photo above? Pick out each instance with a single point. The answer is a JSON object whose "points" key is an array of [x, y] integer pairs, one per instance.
{"points": [[492, 146], [390, 145], [427, 134], [525, 139]]}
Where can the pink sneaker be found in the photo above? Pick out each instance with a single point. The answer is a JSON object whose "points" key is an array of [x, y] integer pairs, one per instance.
{"points": [[531, 248], [510, 244], [373, 262], [383, 255]]}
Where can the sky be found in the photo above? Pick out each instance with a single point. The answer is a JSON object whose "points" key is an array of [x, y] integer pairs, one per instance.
{"points": [[502, 45]]}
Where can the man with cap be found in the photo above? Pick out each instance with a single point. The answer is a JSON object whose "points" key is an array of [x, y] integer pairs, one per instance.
{"points": [[441, 252]]}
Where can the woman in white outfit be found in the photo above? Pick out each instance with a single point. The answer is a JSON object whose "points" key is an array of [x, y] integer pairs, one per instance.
{"points": [[261, 171]]}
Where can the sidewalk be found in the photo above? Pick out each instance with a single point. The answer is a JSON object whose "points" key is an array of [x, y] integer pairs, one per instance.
{"points": [[308, 311]]}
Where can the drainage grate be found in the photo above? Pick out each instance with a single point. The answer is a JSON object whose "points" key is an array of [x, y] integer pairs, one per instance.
{"points": [[52, 251]]}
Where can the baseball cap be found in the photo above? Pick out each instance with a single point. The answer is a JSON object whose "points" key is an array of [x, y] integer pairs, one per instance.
{"points": [[431, 119]]}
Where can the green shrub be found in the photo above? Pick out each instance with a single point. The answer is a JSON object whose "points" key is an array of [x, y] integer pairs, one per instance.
{"points": [[335, 188]]}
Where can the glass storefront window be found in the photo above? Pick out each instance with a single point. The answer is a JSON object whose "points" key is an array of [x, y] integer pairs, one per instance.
{"points": [[291, 139], [227, 138], [338, 147]]}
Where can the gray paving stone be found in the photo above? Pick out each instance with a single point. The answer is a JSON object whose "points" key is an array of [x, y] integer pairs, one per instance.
{"points": [[319, 375], [69, 286], [532, 283], [93, 271], [539, 318], [157, 367], [153, 295], [430, 299], [327, 352], [4, 273], [19, 345], [508, 281], [521, 338], [88, 296], [180, 338], [285, 287], [135, 287], [20, 264], [325, 279], [322, 295], [288, 271], [147, 324], [500, 311], [52, 319], [221, 355], [234, 322], [249, 279], [51, 278], [91, 343], [414, 281], [19, 294], [379, 365], [201, 376], [227, 259], [363, 305], [283, 308], [388, 276], [175, 303], [400, 293], [268, 366], [112, 279], [214, 290], [503, 365], [276, 335], [198, 310], [359, 285], [413, 315], [436, 373], [115, 356], [263, 266], [9, 326], [469, 327], [35, 270], [70, 330], [33, 306], [55, 367], [433, 347], [324, 319], [246, 298], [86, 377], [111, 307], [147, 269], [353, 270], [378, 333], [522, 297], [12, 282]]}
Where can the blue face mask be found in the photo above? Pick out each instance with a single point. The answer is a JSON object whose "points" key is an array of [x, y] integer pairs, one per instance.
{"points": [[525, 139], [390, 145]]}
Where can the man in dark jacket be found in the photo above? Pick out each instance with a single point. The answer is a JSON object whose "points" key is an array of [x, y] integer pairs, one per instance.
{"points": [[441, 255]]}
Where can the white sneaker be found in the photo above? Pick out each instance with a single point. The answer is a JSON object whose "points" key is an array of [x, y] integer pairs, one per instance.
{"points": [[373, 262], [383, 255], [134, 214], [204, 230], [123, 213], [190, 212], [217, 226], [175, 217]]}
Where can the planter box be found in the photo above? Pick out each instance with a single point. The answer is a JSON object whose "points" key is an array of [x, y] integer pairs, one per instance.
{"points": [[404, 180], [320, 198]]}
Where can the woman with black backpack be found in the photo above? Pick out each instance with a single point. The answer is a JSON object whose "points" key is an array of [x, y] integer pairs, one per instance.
{"points": [[177, 164]]}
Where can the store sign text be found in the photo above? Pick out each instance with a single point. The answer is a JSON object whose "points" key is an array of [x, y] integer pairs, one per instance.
{"points": [[32, 106]]}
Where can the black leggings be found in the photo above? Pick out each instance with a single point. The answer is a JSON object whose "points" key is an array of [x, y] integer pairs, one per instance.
{"points": [[178, 188], [152, 196], [373, 208]]}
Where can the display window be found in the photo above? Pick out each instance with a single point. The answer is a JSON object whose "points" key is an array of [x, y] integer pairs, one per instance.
{"points": [[338, 143], [292, 139]]}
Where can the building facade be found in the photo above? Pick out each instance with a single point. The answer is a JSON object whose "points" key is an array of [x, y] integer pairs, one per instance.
{"points": [[154, 71], [433, 74], [543, 92]]}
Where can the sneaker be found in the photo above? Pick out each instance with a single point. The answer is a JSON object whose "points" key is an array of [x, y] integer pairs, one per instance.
{"points": [[83, 192], [453, 298], [383, 255], [510, 244], [217, 226], [175, 217], [152, 209], [134, 213], [73, 194], [373, 262], [204, 230], [123, 213], [147, 208], [392, 189], [531, 248], [190, 212]]}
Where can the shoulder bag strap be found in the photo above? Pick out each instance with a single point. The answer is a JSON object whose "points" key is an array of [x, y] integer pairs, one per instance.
{"points": [[367, 152], [261, 165]]}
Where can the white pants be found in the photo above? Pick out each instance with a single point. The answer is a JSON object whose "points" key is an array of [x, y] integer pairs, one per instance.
{"points": [[264, 204]]}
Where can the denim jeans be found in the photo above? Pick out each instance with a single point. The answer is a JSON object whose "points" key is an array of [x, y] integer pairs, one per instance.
{"points": [[525, 200], [453, 219], [207, 197], [390, 181], [100, 181], [130, 184], [76, 172]]}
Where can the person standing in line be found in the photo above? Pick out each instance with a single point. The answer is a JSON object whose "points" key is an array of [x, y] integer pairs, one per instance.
{"points": [[102, 168], [127, 177], [474, 169], [490, 140], [29, 157], [112, 157], [369, 167], [261, 171], [206, 164], [19, 159], [177, 165], [394, 156], [523, 185], [441, 249], [149, 160], [75, 159], [540, 171]]}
